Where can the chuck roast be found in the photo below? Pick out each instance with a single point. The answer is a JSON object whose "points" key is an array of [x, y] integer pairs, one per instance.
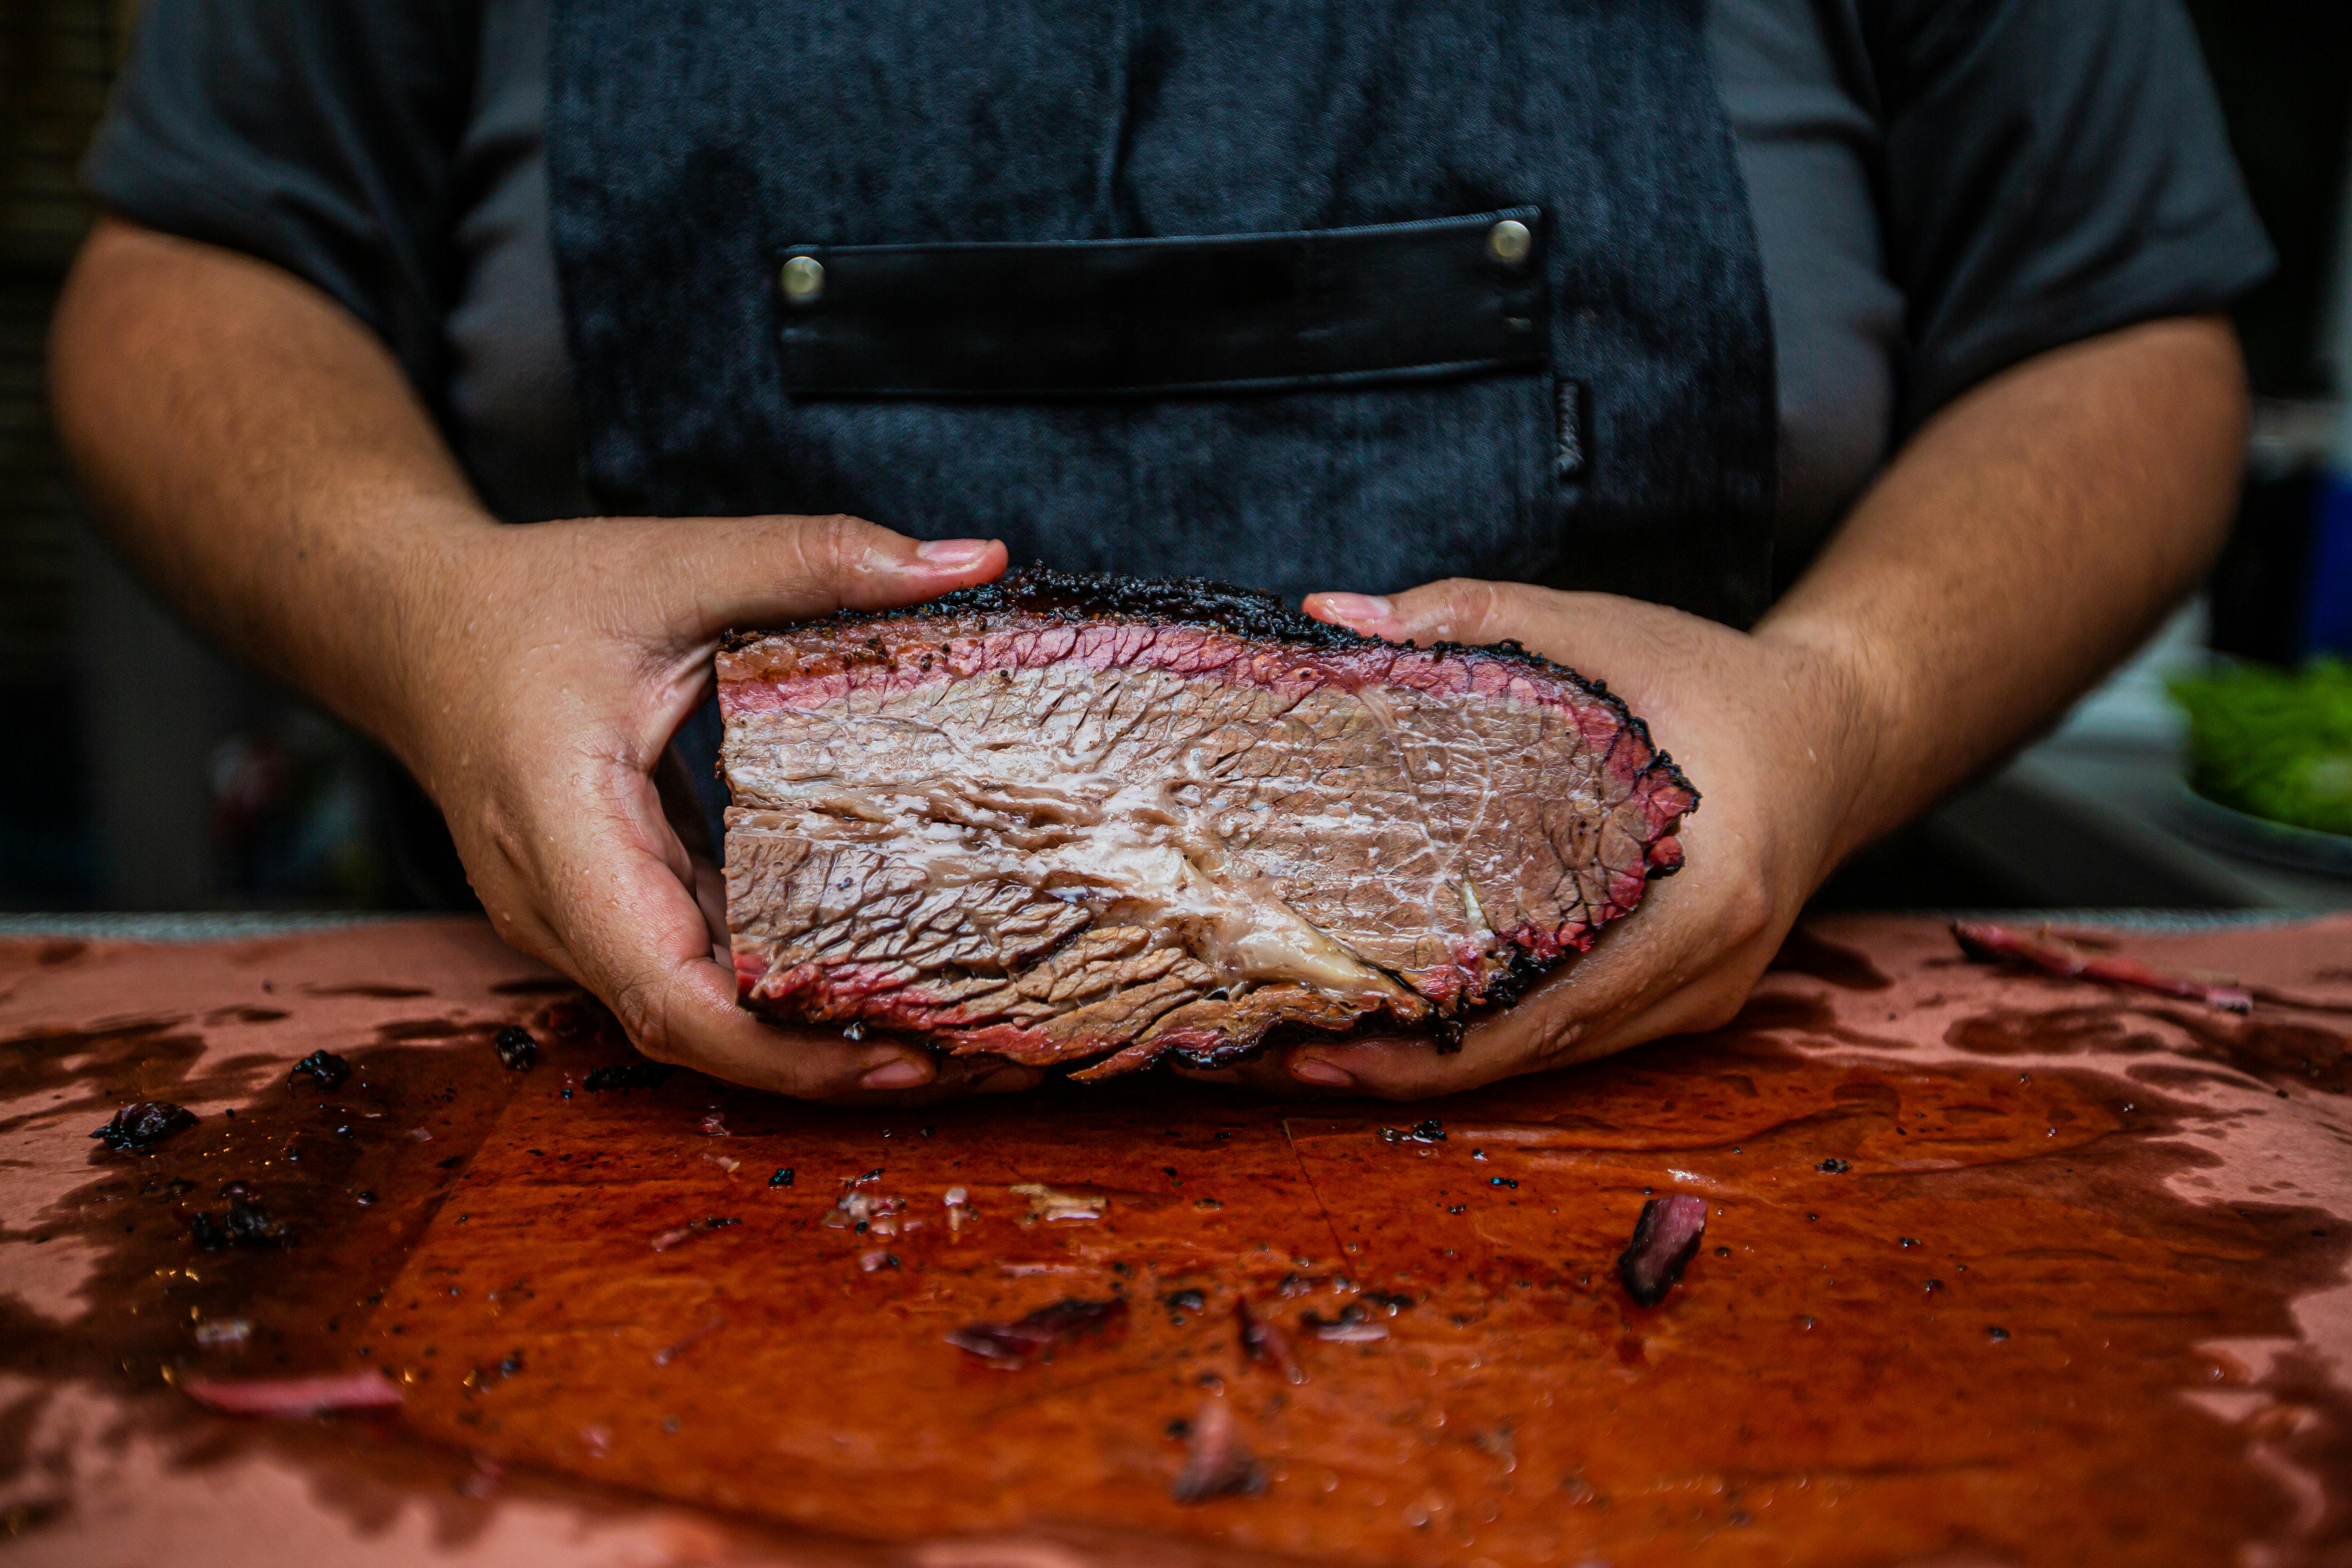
{"points": [[1093, 820]]}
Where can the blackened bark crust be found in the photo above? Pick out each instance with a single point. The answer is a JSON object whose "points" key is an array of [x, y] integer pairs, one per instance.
{"points": [[1046, 592]]}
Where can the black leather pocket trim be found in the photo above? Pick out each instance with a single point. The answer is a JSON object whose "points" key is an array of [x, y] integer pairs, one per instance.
{"points": [[1214, 313]]}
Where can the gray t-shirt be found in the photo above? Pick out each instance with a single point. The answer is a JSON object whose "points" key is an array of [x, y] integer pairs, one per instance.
{"points": [[1941, 188]]}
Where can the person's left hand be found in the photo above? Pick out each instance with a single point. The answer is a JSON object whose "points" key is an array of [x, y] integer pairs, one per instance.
{"points": [[1776, 734]]}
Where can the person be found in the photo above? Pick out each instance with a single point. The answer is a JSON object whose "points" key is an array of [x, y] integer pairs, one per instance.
{"points": [[1845, 384]]}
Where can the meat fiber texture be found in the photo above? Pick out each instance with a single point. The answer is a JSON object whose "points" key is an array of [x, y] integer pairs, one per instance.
{"points": [[1091, 821]]}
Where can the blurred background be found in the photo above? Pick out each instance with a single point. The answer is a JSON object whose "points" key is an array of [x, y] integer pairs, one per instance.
{"points": [[138, 771]]}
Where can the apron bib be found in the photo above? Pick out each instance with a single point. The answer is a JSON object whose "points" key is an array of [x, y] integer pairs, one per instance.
{"points": [[1297, 294]]}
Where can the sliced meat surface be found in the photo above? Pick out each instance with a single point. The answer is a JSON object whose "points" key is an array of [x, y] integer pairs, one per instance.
{"points": [[1082, 820]]}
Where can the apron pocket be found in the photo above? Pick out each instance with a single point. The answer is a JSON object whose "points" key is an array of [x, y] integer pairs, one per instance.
{"points": [[1375, 305]]}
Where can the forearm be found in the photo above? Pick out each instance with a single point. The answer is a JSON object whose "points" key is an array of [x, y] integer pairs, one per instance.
{"points": [[2019, 543], [2023, 542], [260, 455]]}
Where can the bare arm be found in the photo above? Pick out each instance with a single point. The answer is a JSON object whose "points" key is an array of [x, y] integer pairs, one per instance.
{"points": [[260, 456], [2019, 545], [2029, 537]]}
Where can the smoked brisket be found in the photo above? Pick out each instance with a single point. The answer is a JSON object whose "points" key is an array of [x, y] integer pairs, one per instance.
{"points": [[1092, 821]]}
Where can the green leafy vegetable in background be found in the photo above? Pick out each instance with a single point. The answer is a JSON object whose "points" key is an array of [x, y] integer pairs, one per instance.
{"points": [[2276, 744]]}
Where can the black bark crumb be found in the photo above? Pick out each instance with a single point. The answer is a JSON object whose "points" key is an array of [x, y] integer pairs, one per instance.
{"points": [[144, 1124], [324, 1067], [247, 1224], [517, 1052]]}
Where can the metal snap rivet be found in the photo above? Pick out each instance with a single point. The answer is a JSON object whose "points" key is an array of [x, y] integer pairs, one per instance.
{"points": [[803, 280], [1508, 242]]}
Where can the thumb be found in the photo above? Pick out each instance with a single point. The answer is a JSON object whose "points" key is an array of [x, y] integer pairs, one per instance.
{"points": [[760, 571], [1459, 609]]}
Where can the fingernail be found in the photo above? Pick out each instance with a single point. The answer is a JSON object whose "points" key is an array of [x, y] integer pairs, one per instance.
{"points": [[1007, 1080], [1355, 609], [953, 554], [1316, 1070], [898, 1074]]}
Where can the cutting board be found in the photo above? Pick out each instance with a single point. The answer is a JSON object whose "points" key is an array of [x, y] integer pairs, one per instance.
{"points": [[1997, 1267]]}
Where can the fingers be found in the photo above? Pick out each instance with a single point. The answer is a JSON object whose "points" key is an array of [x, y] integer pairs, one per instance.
{"points": [[590, 886], [1401, 1067], [566, 658], [1684, 963], [704, 1029], [1634, 646], [955, 1078], [1459, 609], [1507, 1046], [763, 571]]}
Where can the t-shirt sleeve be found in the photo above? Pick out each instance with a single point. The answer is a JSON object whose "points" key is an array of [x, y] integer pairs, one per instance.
{"points": [[318, 135], [2054, 169]]}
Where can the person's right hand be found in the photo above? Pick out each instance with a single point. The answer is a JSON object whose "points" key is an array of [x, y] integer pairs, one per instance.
{"points": [[261, 455], [545, 670]]}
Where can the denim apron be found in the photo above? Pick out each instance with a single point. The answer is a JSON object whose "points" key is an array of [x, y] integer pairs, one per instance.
{"points": [[1297, 294]]}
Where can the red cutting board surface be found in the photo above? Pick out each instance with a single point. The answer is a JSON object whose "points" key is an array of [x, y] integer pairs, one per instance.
{"points": [[1998, 1269]]}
